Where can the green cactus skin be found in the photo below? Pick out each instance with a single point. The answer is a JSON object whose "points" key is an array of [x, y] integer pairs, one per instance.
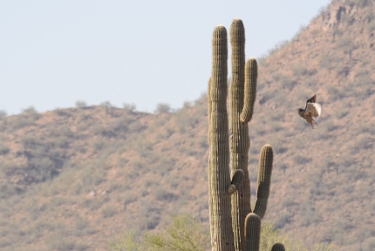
{"points": [[236, 183], [251, 75], [240, 142], [264, 180], [233, 226], [219, 176], [278, 247], [252, 232]]}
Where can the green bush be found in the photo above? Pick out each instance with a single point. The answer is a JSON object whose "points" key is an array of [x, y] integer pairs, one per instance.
{"points": [[185, 233]]}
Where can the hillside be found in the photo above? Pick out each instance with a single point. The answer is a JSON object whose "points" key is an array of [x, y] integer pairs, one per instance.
{"points": [[72, 179], [325, 192]]}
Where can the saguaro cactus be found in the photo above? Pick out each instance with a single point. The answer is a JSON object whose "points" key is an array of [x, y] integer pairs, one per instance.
{"points": [[233, 225]]}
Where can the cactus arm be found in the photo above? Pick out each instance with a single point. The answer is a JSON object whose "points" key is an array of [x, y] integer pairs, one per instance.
{"points": [[278, 247], [219, 177], [264, 180], [251, 74], [252, 232], [236, 183]]}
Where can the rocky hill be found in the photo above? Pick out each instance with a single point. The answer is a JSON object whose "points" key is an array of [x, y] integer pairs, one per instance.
{"points": [[72, 179]]}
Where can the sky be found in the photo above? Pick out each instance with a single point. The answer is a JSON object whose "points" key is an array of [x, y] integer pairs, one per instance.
{"points": [[54, 53]]}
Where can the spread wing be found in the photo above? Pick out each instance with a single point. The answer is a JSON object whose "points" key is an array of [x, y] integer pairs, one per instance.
{"points": [[314, 109], [310, 100]]}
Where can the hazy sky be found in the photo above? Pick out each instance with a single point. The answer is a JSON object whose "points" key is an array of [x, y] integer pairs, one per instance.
{"points": [[55, 52]]}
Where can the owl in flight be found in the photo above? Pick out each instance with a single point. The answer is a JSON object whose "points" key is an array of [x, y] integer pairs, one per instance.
{"points": [[312, 110]]}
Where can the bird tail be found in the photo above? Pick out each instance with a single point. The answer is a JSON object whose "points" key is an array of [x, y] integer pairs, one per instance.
{"points": [[314, 123]]}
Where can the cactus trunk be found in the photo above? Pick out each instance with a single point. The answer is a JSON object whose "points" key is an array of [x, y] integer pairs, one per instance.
{"points": [[219, 177], [239, 144]]}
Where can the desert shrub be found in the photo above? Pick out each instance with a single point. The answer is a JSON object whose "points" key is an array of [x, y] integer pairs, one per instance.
{"points": [[299, 70], [308, 214], [4, 150], [5, 243], [3, 114], [81, 104], [62, 112], [61, 142], [94, 178], [185, 119], [22, 121], [108, 211], [144, 191], [368, 244], [279, 45], [326, 61], [184, 233], [200, 107], [162, 194], [93, 204], [371, 26], [41, 168], [81, 226], [298, 159], [7, 190], [162, 108], [342, 70], [59, 244], [287, 81], [165, 134], [30, 114], [136, 127], [151, 221], [360, 3], [58, 201], [160, 121], [29, 141], [346, 44], [129, 197], [129, 107], [109, 108]]}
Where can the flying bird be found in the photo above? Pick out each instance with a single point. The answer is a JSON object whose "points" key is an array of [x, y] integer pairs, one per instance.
{"points": [[312, 110]]}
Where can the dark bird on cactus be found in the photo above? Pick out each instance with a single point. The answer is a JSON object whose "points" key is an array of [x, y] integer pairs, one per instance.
{"points": [[311, 111]]}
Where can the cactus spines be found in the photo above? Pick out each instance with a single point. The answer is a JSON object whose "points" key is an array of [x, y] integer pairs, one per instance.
{"points": [[233, 225], [251, 74], [237, 40], [236, 183], [252, 232], [240, 142], [264, 180], [278, 247], [219, 177]]}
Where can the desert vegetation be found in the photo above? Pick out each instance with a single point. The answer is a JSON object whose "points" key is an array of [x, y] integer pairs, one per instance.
{"points": [[76, 178]]}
